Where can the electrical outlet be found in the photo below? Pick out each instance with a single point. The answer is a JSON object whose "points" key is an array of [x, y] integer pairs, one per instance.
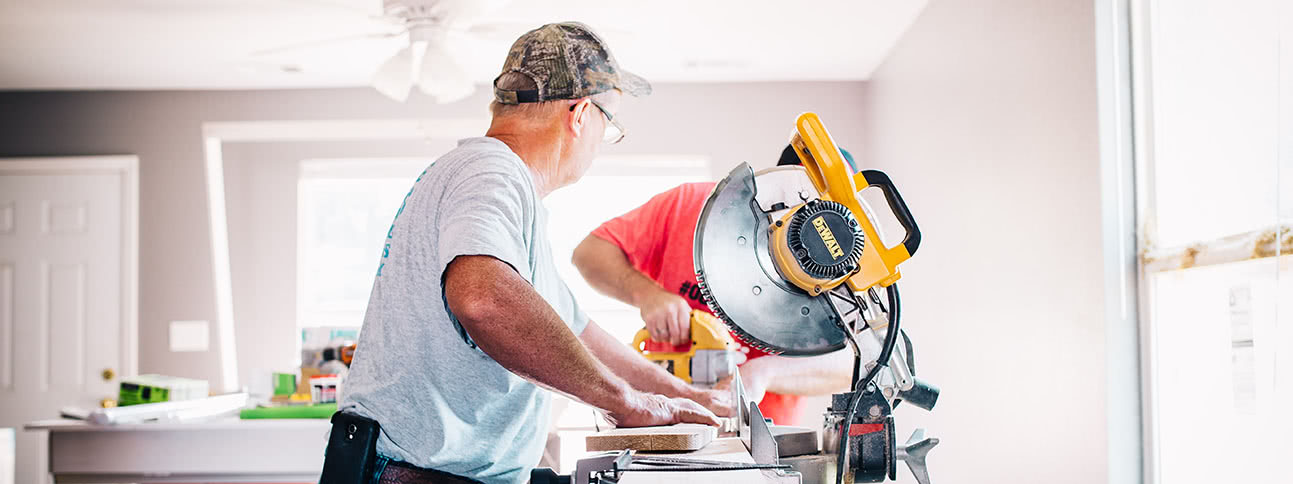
{"points": [[187, 336]]}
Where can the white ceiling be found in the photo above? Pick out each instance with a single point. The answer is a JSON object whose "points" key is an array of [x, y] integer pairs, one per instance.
{"points": [[207, 44]]}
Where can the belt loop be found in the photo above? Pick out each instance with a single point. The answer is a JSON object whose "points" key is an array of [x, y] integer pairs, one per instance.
{"points": [[379, 467]]}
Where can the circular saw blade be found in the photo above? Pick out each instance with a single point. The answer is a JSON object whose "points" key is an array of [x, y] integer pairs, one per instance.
{"points": [[741, 284]]}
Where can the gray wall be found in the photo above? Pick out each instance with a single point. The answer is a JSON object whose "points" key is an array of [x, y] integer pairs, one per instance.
{"points": [[985, 116], [727, 122]]}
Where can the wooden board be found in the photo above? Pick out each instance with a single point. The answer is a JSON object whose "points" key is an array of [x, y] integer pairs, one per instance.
{"points": [[679, 437]]}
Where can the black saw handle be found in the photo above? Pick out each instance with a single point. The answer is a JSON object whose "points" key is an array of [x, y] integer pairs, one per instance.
{"points": [[899, 207]]}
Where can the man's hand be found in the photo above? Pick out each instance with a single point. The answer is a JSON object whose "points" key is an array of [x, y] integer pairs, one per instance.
{"points": [[607, 269], [649, 409], [649, 377], [718, 401], [667, 316]]}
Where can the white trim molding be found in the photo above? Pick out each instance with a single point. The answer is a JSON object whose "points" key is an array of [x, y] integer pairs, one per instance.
{"points": [[344, 130], [1124, 362], [220, 268]]}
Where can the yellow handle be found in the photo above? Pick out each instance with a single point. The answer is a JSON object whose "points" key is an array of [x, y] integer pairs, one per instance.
{"points": [[679, 364], [886, 261], [831, 175], [640, 338]]}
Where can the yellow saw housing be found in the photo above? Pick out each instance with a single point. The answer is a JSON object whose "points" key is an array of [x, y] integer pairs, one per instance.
{"points": [[705, 361], [823, 243]]}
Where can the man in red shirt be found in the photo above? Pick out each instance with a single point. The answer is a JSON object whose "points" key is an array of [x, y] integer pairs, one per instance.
{"points": [[644, 258]]}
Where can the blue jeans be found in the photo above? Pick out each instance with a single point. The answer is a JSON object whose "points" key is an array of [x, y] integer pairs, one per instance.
{"points": [[378, 468]]}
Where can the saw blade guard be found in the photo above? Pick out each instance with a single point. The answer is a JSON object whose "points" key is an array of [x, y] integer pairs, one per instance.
{"points": [[741, 283]]}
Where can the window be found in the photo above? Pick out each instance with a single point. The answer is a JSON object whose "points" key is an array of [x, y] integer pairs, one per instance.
{"points": [[344, 210], [1215, 196]]}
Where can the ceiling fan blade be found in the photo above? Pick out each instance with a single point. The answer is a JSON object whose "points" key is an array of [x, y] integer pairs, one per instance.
{"points": [[501, 30], [394, 78], [465, 11], [509, 30], [341, 5], [323, 42], [441, 77]]}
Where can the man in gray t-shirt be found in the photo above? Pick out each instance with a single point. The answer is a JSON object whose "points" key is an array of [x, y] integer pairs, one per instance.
{"points": [[468, 317]]}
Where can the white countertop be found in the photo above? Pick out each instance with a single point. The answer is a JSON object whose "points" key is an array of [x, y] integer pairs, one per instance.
{"points": [[230, 423], [217, 450]]}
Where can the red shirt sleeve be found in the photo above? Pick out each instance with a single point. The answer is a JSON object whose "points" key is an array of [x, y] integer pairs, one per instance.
{"points": [[644, 232]]}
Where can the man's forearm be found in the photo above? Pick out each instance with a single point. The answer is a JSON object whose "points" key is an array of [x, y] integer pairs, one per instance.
{"points": [[640, 373], [512, 324], [608, 271], [812, 375]]}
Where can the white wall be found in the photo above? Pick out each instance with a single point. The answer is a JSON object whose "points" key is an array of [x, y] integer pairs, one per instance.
{"points": [[985, 117]]}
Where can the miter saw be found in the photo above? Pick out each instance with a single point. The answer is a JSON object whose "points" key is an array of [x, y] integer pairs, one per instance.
{"points": [[793, 261]]}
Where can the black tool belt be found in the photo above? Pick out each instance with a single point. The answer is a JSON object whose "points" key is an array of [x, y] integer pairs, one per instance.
{"points": [[352, 450]]}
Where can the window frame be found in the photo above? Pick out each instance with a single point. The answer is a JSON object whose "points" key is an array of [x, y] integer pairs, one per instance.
{"points": [[1126, 31], [1128, 401]]}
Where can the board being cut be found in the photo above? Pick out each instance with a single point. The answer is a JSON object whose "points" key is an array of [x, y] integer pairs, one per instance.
{"points": [[678, 437]]}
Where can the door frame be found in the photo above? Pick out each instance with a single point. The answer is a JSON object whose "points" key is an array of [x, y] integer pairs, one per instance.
{"points": [[127, 167]]}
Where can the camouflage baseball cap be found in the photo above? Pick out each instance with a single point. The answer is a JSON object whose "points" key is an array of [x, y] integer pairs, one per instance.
{"points": [[566, 61]]}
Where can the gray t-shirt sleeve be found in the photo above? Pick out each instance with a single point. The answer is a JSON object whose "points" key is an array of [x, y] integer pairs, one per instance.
{"points": [[489, 213]]}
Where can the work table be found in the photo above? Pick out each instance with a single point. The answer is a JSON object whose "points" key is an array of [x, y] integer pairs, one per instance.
{"points": [[725, 449], [225, 450], [263, 451]]}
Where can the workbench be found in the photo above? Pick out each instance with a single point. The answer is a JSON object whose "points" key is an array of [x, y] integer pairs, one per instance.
{"points": [[226, 450], [727, 449], [263, 451]]}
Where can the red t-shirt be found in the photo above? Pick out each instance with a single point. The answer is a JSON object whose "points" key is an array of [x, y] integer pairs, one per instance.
{"points": [[657, 239]]}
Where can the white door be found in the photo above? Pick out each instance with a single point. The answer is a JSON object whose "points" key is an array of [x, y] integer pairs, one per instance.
{"points": [[64, 295]]}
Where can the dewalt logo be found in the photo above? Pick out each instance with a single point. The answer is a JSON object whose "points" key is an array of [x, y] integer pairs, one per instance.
{"points": [[828, 238]]}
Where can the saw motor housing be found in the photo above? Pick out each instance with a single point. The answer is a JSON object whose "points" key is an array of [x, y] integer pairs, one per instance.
{"points": [[817, 245], [823, 242]]}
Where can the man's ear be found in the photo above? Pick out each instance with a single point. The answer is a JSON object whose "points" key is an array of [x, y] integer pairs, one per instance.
{"points": [[578, 116]]}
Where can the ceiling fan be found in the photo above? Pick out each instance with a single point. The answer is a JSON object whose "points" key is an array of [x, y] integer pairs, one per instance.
{"points": [[431, 30]]}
